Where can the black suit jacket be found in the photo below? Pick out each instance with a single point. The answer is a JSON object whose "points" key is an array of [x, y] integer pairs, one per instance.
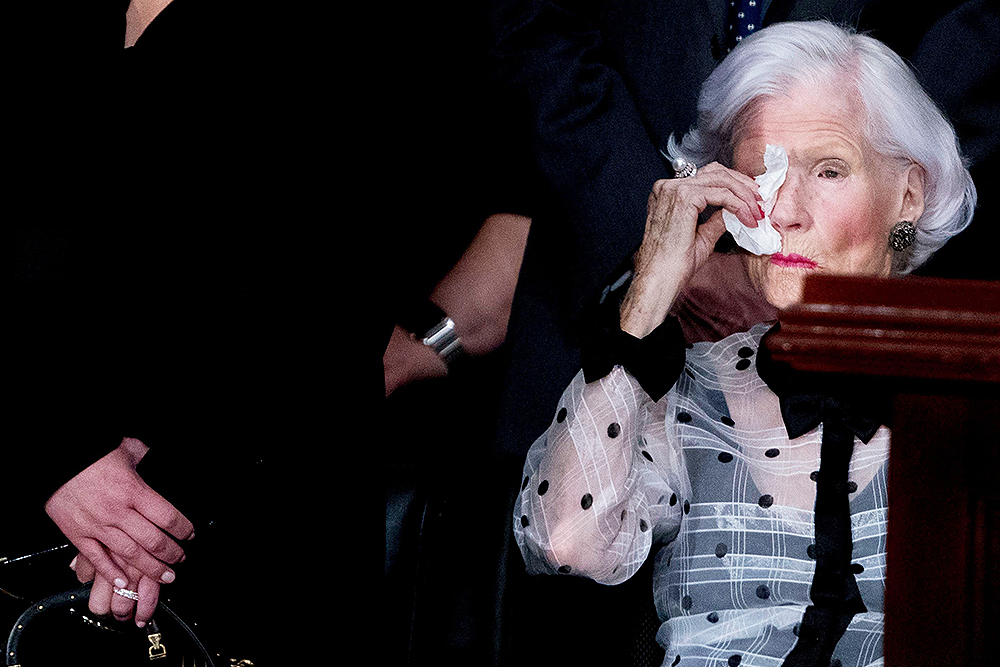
{"points": [[603, 85]]}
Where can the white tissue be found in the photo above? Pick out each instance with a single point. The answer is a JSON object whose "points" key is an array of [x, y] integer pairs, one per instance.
{"points": [[763, 239]]}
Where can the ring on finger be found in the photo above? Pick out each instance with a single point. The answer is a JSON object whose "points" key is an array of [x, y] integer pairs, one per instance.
{"points": [[126, 593], [683, 168]]}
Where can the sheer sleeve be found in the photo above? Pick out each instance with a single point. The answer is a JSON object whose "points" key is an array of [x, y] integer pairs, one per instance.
{"points": [[602, 483]]}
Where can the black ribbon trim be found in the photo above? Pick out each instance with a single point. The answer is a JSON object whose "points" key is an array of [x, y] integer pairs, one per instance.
{"points": [[655, 361], [806, 401]]}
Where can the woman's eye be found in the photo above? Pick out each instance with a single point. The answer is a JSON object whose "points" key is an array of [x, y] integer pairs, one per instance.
{"points": [[829, 173]]}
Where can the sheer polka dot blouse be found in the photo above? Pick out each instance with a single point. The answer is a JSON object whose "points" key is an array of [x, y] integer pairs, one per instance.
{"points": [[709, 472]]}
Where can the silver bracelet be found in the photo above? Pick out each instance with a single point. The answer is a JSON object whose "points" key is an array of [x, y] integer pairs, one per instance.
{"points": [[444, 341]]}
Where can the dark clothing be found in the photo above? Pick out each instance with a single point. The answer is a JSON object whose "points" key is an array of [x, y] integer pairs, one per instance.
{"points": [[172, 290]]}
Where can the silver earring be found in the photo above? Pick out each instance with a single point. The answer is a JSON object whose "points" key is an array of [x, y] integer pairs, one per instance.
{"points": [[902, 235]]}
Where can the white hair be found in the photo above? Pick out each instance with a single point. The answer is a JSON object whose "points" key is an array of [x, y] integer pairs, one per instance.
{"points": [[903, 122]]}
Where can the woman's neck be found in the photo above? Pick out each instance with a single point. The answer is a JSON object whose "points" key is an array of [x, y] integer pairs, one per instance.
{"points": [[138, 17]]}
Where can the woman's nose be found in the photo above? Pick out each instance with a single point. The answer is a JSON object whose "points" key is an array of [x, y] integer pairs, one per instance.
{"points": [[789, 212]]}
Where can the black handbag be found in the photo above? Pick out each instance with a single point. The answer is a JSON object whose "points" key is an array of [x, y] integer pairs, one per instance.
{"points": [[60, 629]]}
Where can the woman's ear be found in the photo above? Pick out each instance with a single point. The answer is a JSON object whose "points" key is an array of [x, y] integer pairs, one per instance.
{"points": [[912, 205]]}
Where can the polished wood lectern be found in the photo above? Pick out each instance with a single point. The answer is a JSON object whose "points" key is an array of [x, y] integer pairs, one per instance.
{"points": [[934, 345]]}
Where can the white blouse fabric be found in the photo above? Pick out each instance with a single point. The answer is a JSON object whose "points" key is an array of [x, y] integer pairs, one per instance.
{"points": [[708, 471]]}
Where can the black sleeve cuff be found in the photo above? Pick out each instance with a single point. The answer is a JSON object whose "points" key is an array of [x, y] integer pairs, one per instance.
{"points": [[655, 361]]}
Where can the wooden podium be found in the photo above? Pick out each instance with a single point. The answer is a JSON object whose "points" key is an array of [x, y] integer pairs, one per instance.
{"points": [[934, 345]]}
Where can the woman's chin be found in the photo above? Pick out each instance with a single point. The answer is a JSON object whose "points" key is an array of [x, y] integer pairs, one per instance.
{"points": [[784, 293]]}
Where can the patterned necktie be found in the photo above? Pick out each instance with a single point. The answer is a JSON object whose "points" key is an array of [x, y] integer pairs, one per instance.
{"points": [[742, 19]]}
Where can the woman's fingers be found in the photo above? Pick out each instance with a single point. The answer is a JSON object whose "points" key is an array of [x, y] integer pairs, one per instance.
{"points": [[700, 196], [149, 595], [126, 550], [122, 607], [95, 552], [100, 596], [739, 176], [741, 185], [707, 236], [153, 540], [83, 567], [162, 513]]}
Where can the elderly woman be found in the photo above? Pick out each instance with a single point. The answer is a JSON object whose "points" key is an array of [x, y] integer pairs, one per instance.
{"points": [[773, 526]]}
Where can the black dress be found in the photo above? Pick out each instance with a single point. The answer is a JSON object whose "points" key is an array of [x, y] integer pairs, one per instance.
{"points": [[169, 287]]}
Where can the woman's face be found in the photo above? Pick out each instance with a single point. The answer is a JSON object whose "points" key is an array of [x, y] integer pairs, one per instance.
{"points": [[839, 199]]}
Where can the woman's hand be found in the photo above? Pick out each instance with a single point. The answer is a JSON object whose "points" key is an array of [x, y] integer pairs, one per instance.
{"points": [[104, 600], [115, 518], [675, 245]]}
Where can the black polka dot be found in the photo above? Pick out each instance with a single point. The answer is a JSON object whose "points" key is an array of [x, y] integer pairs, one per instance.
{"points": [[673, 499], [676, 660], [811, 551], [586, 501], [687, 507], [662, 496], [565, 569], [614, 429], [795, 629], [763, 592], [642, 525], [745, 352], [735, 660], [614, 570], [742, 364], [771, 453], [725, 457], [814, 475], [728, 421], [857, 568], [561, 417], [721, 549], [766, 500], [524, 484], [524, 521], [686, 602], [648, 457], [713, 617], [852, 487], [623, 515], [543, 487], [688, 372], [683, 417]]}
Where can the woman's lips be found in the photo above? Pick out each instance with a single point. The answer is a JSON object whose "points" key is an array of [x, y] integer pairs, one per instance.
{"points": [[792, 261]]}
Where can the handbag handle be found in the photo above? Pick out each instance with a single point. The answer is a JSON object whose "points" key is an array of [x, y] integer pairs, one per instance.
{"points": [[82, 594]]}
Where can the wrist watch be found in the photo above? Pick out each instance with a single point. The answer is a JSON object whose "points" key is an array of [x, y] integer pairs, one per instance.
{"points": [[432, 326]]}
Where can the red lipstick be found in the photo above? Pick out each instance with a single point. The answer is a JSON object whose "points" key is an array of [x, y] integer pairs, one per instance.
{"points": [[792, 261]]}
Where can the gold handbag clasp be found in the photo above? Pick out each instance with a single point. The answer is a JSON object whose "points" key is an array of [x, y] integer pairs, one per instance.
{"points": [[157, 650]]}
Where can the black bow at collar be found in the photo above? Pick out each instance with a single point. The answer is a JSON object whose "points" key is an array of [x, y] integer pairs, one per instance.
{"points": [[807, 399]]}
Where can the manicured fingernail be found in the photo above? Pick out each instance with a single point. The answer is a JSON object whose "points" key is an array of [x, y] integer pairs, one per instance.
{"points": [[141, 624], [121, 583], [72, 564], [184, 557], [168, 577]]}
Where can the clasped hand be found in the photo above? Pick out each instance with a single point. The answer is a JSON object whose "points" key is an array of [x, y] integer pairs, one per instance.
{"points": [[126, 533]]}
